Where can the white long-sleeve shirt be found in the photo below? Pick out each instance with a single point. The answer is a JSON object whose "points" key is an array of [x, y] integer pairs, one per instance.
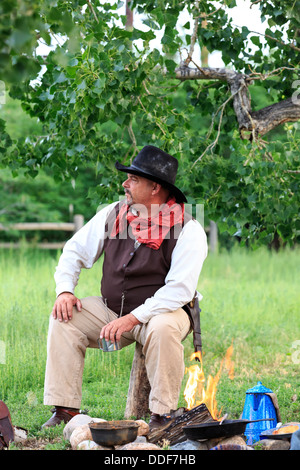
{"points": [[189, 253]]}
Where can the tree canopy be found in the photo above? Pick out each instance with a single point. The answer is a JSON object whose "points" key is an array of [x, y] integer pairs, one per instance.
{"points": [[109, 88]]}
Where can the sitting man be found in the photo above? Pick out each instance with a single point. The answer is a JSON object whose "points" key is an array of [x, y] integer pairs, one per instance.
{"points": [[153, 254]]}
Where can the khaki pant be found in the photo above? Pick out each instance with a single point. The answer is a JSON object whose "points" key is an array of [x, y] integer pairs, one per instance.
{"points": [[161, 338]]}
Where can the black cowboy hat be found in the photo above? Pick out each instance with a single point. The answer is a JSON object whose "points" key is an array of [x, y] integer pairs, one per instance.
{"points": [[155, 165]]}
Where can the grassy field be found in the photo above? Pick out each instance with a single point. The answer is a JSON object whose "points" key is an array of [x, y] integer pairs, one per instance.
{"points": [[251, 300]]}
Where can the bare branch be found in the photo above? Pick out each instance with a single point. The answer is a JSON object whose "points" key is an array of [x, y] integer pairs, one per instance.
{"points": [[207, 15], [203, 17], [264, 76], [272, 116], [204, 73], [214, 143], [253, 3], [92, 10], [193, 38]]}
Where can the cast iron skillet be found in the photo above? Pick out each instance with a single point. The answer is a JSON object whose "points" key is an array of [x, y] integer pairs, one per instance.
{"points": [[268, 434], [214, 429]]}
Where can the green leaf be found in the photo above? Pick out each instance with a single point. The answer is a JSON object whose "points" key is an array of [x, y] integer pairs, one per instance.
{"points": [[82, 85], [151, 23], [99, 84], [60, 78], [18, 38]]}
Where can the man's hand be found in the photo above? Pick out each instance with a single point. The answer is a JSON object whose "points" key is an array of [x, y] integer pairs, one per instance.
{"points": [[63, 307], [114, 329]]}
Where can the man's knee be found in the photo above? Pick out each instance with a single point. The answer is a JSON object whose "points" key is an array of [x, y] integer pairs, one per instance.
{"points": [[173, 326], [162, 327]]}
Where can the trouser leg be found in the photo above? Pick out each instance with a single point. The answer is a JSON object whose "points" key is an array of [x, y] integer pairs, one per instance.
{"points": [[164, 357], [66, 349]]}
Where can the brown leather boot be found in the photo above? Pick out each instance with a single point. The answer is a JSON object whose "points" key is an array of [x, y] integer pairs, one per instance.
{"points": [[158, 421], [60, 414]]}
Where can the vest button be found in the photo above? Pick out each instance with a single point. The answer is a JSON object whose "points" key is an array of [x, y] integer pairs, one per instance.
{"points": [[124, 265], [132, 253]]}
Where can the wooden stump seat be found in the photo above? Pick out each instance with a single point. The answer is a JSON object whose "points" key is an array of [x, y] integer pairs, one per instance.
{"points": [[139, 388]]}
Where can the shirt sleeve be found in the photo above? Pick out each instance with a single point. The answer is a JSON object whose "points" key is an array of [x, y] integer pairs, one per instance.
{"points": [[182, 279], [81, 251]]}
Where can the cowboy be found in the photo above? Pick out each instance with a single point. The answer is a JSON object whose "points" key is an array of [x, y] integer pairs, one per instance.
{"points": [[153, 255]]}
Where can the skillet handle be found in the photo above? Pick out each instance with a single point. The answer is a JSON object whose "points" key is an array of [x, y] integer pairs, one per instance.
{"points": [[256, 420]]}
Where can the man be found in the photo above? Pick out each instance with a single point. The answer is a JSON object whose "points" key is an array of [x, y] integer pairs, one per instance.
{"points": [[153, 255]]}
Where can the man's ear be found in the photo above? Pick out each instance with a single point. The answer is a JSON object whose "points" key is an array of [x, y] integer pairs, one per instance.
{"points": [[156, 187]]}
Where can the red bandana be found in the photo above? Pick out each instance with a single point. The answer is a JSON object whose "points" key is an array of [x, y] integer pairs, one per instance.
{"points": [[152, 230]]}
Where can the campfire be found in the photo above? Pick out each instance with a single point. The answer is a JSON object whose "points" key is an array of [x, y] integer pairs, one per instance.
{"points": [[196, 393], [200, 399]]}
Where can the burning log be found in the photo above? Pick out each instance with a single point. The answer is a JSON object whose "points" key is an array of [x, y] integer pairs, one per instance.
{"points": [[173, 430]]}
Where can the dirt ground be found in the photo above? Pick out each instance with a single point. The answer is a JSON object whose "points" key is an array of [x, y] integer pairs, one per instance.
{"points": [[37, 444]]}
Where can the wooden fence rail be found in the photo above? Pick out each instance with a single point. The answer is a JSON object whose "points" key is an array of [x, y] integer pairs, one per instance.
{"points": [[74, 226]]}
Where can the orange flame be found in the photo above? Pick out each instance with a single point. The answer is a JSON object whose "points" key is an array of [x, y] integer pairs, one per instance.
{"points": [[195, 383]]}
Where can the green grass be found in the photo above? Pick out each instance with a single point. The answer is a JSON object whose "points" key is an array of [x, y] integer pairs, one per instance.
{"points": [[250, 299]]}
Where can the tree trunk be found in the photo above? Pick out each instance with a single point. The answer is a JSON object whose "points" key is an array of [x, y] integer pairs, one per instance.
{"points": [[129, 17]]}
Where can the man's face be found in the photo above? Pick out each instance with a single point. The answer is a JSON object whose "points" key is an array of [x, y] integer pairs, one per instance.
{"points": [[138, 190]]}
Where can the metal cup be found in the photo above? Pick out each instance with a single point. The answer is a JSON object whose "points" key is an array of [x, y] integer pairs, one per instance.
{"points": [[108, 346]]}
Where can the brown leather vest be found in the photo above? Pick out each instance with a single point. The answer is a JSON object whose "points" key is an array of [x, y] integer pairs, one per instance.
{"points": [[132, 275]]}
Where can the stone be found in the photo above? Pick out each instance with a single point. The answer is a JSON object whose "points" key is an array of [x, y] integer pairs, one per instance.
{"points": [[143, 427], [237, 440], [80, 433], [91, 445], [232, 440], [189, 445], [273, 444], [20, 434], [139, 446], [229, 443], [78, 420], [138, 440]]}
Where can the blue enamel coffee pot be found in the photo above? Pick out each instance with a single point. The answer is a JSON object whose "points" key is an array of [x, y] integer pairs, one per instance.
{"points": [[258, 405]]}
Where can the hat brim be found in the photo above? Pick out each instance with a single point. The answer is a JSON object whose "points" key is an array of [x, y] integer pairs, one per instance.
{"points": [[180, 197]]}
